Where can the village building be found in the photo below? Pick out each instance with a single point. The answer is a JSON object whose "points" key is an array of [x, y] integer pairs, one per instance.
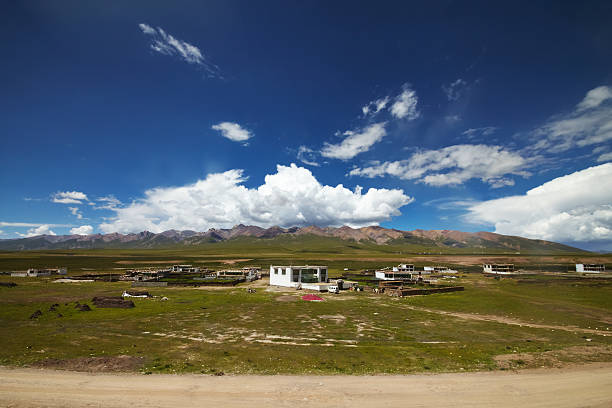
{"points": [[498, 269], [304, 277], [248, 273], [400, 272], [33, 272], [438, 269], [185, 269], [590, 268]]}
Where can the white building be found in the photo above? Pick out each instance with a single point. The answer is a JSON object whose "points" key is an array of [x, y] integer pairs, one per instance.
{"points": [[248, 273], [590, 268], [306, 277], [498, 269], [185, 268], [438, 269], [400, 272]]}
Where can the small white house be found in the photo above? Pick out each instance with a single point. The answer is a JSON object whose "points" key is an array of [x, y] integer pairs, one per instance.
{"points": [[498, 269], [400, 272], [185, 269], [306, 277], [590, 268], [438, 269]]}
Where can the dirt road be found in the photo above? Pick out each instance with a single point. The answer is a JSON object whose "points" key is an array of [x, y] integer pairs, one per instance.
{"points": [[583, 386]]}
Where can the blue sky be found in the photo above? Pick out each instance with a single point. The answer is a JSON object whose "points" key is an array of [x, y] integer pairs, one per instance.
{"points": [[126, 116]]}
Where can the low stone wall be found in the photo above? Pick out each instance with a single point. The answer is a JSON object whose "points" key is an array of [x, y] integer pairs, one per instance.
{"points": [[428, 291], [137, 284]]}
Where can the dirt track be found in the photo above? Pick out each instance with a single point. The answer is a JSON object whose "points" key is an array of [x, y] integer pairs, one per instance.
{"points": [[584, 386]]}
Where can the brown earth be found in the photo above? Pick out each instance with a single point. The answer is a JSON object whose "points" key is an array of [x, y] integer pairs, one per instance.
{"points": [[94, 364], [581, 386], [175, 261]]}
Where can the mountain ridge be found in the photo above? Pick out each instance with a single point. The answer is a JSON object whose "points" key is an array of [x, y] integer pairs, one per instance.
{"points": [[371, 234]]}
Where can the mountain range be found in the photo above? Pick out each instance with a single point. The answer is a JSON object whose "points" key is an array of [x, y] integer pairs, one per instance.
{"points": [[374, 235]]}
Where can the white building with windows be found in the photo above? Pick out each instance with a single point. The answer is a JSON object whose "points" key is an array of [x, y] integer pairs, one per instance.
{"points": [[591, 268], [400, 272], [305, 277]]}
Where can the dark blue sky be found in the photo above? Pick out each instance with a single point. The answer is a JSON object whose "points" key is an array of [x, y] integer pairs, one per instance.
{"points": [[93, 103]]}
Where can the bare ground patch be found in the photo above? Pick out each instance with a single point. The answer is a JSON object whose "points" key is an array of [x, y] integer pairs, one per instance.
{"points": [[509, 321], [94, 364], [174, 261], [554, 358]]}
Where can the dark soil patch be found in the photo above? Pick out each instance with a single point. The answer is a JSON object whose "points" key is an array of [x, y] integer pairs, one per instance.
{"points": [[93, 364], [83, 308], [138, 293], [35, 315], [8, 284], [112, 301]]}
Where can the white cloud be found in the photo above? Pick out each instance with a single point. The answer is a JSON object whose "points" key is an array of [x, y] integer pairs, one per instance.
{"points": [[307, 156], [572, 208], [292, 196], [233, 131], [405, 105], [75, 211], [455, 89], [606, 157], [82, 230], [44, 229], [69, 197], [452, 118], [356, 141], [167, 44], [109, 202], [373, 107], [30, 224], [453, 165], [595, 97], [481, 131], [590, 123]]}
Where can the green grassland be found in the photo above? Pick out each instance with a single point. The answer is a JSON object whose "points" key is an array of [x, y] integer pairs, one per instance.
{"points": [[212, 330]]}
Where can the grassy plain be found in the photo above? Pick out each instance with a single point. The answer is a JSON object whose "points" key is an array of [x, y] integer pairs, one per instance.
{"points": [[544, 319]]}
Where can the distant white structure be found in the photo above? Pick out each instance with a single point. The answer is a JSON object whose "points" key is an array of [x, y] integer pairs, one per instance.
{"points": [[438, 269], [590, 268], [33, 273], [185, 268], [400, 272], [498, 269], [305, 277], [248, 273]]}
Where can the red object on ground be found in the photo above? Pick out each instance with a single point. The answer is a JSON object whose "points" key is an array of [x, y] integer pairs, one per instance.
{"points": [[312, 298]]}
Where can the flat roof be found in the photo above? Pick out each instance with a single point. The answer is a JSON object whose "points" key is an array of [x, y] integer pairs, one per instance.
{"points": [[298, 266]]}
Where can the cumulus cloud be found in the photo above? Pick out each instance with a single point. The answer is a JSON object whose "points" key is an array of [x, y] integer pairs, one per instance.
{"points": [[356, 141], [69, 197], [44, 229], [166, 44], [455, 89], [307, 156], [233, 131], [588, 124], [405, 105], [373, 107], [82, 230], [572, 208], [291, 197], [453, 165]]}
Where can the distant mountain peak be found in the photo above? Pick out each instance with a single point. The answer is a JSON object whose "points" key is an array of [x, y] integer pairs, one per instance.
{"points": [[375, 234]]}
